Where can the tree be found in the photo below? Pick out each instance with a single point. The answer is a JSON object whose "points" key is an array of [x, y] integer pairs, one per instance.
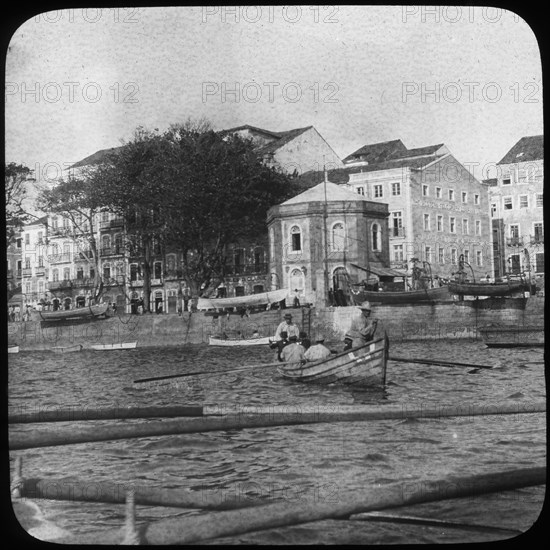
{"points": [[193, 190], [16, 175], [78, 200]]}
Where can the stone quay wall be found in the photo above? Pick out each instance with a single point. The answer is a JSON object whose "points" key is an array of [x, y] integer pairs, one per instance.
{"points": [[453, 320]]}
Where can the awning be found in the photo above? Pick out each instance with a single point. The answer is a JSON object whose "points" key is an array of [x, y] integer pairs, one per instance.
{"points": [[16, 299], [382, 271]]}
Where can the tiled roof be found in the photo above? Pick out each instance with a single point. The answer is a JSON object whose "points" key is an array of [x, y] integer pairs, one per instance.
{"points": [[251, 128], [526, 149], [415, 163], [313, 177], [429, 150], [378, 152], [284, 137], [334, 192]]}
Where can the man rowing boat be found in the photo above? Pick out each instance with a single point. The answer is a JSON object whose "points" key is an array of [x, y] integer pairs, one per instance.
{"points": [[362, 327]]}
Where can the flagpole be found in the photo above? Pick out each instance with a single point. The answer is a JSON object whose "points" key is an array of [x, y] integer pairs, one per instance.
{"points": [[327, 295]]}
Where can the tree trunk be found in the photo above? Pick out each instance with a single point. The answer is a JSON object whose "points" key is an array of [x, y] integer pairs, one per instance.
{"points": [[147, 275]]}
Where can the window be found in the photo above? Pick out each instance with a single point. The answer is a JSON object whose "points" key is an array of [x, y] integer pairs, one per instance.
{"points": [[426, 222], [40, 287], [118, 244], [40, 261], [452, 225], [55, 275], [360, 190], [438, 192], [80, 272], [105, 216], [466, 255], [376, 237], [521, 175], [66, 273], [397, 252], [27, 238], [451, 195], [523, 201], [338, 236], [465, 228], [133, 272], [378, 191], [539, 262], [539, 200], [464, 197], [295, 239], [507, 203], [396, 189], [538, 230], [40, 237], [54, 222], [27, 262], [493, 209], [441, 255], [65, 223], [440, 223], [476, 199], [453, 256], [92, 272], [514, 231], [479, 258], [18, 242], [428, 253], [425, 190], [478, 227], [28, 288], [397, 224], [297, 280], [506, 180], [157, 270], [515, 263], [106, 271]]}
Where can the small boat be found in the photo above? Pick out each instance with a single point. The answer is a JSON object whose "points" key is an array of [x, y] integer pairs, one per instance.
{"points": [[512, 336], [405, 297], [120, 345], [78, 314], [487, 289], [360, 367], [13, 349], [263, 298], [213, 341], [67, 349]]}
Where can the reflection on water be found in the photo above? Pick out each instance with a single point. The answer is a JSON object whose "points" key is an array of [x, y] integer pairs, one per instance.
{"points": [[288, 462]]}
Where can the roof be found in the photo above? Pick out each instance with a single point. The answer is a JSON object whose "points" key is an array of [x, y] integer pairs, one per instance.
{"points": [[284, 138], [39, 221], [526, 149], [420, 151], [416, 163], [97, 158], [334, 192], [313, 177], [378, 152]]}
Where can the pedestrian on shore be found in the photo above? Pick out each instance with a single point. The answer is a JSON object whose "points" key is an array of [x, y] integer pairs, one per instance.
{"points": [[318, 351], [17, 313], [293, 353], [289, 327], [296, 298], [362, 327]]}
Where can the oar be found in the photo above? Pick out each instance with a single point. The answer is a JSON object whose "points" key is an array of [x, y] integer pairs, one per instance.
{"points": [[245, 367], [439, 363]]}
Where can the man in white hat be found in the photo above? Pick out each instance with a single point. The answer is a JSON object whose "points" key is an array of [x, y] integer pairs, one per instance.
{"points": [[318, 351], [287, 326], [362, 327]]}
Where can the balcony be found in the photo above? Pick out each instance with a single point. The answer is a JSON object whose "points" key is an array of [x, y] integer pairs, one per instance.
{"points": [[111, 224], [83, 282], [250, 269], [26, 272], [40, 271], [59, 285], [59, 258], [112, 251], [136, 283], [156, 282], [536, 239], [514, 241], [61, 231]]}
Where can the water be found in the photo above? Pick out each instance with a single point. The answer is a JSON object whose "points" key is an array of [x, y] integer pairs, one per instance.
{"points": [[296, 463]]}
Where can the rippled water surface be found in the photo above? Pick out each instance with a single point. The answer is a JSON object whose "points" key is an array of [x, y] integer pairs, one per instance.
{"points": [[295, 463]]}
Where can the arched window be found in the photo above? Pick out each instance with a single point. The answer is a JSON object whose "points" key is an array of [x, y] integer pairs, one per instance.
{"points": [[338, 237], [105, 242], [157, 270], [106, 271], [66, 273], [376, 237], [80, 272], [295, 238], [297, 281], [66, 248], [55, 274], [118, 243]]}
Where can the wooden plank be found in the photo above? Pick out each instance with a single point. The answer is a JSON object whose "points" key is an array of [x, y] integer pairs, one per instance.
{"points": [[253, 418], [184, 530]]}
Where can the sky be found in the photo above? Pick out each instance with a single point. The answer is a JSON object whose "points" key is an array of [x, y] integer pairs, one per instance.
{"points": [[79, 80]]}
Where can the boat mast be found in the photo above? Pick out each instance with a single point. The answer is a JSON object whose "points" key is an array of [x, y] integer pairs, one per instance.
{"points": [[325, 216]]}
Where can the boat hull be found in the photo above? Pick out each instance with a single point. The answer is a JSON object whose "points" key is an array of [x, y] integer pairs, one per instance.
{"points": [[123, 345], [239, 342], [13, 349], [407, 297], [513, 337], [66, 349], [486, 289], [78, 314], [263, 298], [364, 366]]}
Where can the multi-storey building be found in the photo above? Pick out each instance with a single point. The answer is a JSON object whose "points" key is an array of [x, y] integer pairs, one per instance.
{"points": [[437, 209], [516, 203], [14, 266], [34, 270]]}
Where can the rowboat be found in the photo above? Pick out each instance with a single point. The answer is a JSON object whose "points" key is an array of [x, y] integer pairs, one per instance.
{"points": [[364, 366], [263, 298], [78, 314], [121, 345], [212, 341], [66, 349], [405, 297], [13, 349], [513, 337], [487, 289]]}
